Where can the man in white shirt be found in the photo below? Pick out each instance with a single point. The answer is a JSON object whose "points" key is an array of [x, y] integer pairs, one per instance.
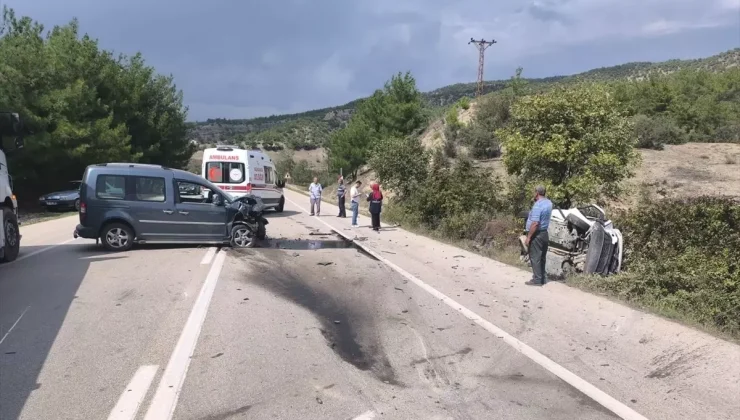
{"points": [[314, 190], [355, 205]]}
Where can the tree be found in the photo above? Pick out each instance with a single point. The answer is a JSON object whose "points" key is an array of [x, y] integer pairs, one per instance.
{"points": [[400, 163], [575, 140], [396, 111], [83, 105], [348, 148]]}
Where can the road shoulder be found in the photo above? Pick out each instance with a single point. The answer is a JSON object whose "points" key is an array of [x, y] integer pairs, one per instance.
{"points": [[663, 369]]}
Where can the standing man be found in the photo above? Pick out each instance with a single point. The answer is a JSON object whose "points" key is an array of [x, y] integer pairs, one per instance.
{"points": [[341, 193], [537, 238], [354, 194], [314, 190]]}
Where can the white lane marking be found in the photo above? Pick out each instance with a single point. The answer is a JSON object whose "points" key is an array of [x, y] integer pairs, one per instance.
{"points": [[14, 324], [209, 256], [38, 251], [571, 378], [368, 415], [128, 404], [163, 404]]}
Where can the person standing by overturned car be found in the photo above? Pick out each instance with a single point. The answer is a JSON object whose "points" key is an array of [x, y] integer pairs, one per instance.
{"points": [[537, 238]]}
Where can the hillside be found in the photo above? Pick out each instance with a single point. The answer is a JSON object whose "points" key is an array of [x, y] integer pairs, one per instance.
{"points": [[310, 130]]}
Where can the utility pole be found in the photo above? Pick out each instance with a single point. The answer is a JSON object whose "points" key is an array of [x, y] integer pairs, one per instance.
{"points": [[482, 45]]}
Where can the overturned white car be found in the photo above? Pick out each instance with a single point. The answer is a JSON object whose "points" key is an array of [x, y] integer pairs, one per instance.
{"points": [[581, 241]]}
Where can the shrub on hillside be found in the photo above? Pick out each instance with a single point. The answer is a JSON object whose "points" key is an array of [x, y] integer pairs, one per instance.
{"points": [[729, 133], [655, 132], [683, 256], [464, 103], [451, 193], [483, 143]]}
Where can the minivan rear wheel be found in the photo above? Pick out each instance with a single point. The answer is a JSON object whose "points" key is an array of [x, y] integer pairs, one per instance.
{"points": [[280, 206], [117, 237]]}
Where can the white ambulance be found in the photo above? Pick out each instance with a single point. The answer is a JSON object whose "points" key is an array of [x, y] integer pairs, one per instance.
{"points": [[240, 172]]}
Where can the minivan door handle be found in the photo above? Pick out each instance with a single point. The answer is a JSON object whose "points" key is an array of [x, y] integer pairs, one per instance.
{"points": [[184, 213], [168, 211]]}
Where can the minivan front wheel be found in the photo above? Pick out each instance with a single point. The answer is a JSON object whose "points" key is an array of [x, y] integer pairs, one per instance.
{"points": [[242, 237], [117, 237]]}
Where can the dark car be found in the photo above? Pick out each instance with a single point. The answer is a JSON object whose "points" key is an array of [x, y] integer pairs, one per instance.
{"points": [[126, 203], [63, 200]]}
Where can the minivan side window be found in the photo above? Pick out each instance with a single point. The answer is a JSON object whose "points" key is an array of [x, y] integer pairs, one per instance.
{"points": [[149, 189], [110, 187]]}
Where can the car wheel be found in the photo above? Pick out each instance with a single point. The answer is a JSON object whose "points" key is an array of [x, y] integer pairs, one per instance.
{"points": [[242, 237], [117, 237], [280, 206], [12, 235], [77, 205]]}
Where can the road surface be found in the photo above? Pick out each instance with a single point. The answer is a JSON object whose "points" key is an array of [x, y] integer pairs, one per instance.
{"points": [[307, 326]]}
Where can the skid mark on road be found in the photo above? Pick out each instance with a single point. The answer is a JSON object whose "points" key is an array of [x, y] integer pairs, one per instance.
{"points": [[606, 400], [338, 321]]}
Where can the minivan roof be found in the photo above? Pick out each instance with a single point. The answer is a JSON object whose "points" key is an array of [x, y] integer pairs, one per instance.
{"points": [[144, 168]]}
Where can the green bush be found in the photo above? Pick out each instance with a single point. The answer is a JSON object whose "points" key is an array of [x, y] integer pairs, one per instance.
{"points": [[654, 132], [464, 103], [465, 225], [453, 191], [683, 256], [483, 143]]}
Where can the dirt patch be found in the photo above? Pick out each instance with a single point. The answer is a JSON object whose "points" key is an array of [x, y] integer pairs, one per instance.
{"points": [[687, 170]]}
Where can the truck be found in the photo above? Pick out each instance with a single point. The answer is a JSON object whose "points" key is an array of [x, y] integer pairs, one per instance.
{"points": [[11, 138]]}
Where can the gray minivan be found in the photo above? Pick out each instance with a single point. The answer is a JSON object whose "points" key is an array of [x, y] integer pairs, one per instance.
{"points": [[123, 203]]}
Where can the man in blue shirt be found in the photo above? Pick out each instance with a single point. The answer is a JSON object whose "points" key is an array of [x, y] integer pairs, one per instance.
{"points": [[537, 238]]}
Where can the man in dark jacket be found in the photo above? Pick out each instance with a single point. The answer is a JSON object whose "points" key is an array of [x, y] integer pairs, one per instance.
{"points": [[341, 193]]}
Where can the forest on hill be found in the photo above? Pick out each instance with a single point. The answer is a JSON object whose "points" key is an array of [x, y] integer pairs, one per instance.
{"points": [[311, 129], [82, 105]]}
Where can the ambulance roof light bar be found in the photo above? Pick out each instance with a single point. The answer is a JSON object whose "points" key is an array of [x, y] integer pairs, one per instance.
{"points": [[226, 147]]}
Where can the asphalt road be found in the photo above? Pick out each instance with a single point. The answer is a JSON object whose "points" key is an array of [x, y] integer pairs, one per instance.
{"points": [[304, 327]]}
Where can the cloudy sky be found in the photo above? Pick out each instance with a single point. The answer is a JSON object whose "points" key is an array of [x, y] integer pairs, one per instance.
{"points": [[247, 58]]}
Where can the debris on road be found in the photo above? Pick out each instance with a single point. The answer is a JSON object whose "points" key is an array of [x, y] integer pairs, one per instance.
{"points": [[320, 234], [325, 263]]}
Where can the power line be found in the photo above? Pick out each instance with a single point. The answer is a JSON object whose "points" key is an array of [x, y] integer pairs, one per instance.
{"points": [[482, 45]]}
